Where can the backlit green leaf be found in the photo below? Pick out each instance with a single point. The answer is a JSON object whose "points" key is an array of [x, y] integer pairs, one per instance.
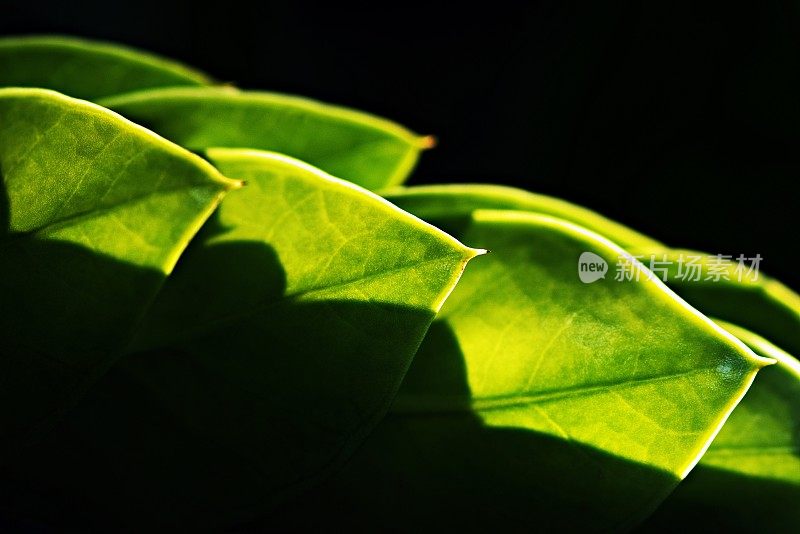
{"points": [[749, 480], [460, 200], [364, 149], [94, 213], [753, 300], [539, 402], [87, 69], [272, 350]]}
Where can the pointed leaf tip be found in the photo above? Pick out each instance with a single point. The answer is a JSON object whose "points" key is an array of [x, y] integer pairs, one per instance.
{"points": [[427, 142], [475, 252]]}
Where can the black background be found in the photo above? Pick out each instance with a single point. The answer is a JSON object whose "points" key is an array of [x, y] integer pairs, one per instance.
{"points": [[679, 119]]}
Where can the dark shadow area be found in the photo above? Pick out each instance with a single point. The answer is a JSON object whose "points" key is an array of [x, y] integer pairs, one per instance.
{"points": [[220, 426], [715, 500], [712, 498], [65, 311], [5, 209], [211, 281], [213, 434], [203, 428], [679, 120], [448, 471]]}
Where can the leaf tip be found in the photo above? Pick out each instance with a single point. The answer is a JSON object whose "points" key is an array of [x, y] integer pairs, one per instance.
{"points": [[475, 252], [236, 184], [426, 142], [763, 361]]}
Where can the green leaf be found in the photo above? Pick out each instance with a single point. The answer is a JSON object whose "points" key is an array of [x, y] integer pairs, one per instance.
{"points": [[94, 212], [749, 480], [539, 402], [755, 300], [364, 149], [454, 201], [273, 349], [87, 69]]}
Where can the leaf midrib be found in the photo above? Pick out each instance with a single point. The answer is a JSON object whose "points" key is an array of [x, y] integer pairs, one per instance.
{"points": [[465, 403]]}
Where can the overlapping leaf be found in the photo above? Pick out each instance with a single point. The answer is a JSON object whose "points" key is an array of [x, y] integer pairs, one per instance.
{"points": [[273, 349], [751, 299], [738, 294], [749, 479], [537, 401], [364, 149], [711, 495], [454, 201], [95, 211], [87, 69]]}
